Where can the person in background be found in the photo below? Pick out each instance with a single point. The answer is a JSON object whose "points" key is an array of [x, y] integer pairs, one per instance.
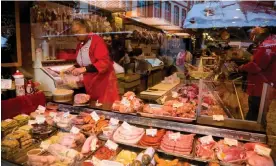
{"points": [[94, 63], [184, 56], [260, 70]]}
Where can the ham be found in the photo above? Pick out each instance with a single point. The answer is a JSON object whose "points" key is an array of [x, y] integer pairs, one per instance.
{"points": [[81, 98], [253, 159], [89, 144], [128, 136], [230, 153], [251, 146]]}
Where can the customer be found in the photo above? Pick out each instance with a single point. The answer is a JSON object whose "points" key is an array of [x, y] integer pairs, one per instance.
{"points": [[94, 63], [261, 70]]}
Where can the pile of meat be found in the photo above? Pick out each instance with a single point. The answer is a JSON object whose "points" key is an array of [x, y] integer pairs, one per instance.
{"points": [[37, 160], [130, 135], [90, 144], [254, 159], [71, 140], [81, 98], [173, 108], [230, 154], [129, 104], [182, 145], [205, 150], [152, 141], [188, 93], [88, 125], [63, 121], [213, 110], [104, 153]]}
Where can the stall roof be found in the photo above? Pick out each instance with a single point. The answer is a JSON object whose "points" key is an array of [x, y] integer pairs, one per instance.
{"points": [[221, 14]]}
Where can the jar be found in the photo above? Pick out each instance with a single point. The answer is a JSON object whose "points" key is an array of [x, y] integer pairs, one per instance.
{"points": [[19, 83]]}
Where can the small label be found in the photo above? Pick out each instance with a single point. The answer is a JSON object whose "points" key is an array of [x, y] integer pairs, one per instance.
{"points": [[218, 117], [39, 111], [74, 130], [95, 116], [41, 108], [261, 150], [174, 94], [174, 136], [205, 105], [40, 119], [151, 132], [8, 120], [230, 142], [6, 83], [127, 126], [19, 81], [66, 114], [31, 122], [114, 121], [111, 145], [52, 114], [177, 105], [125, 102], [44, 145], [206, 139]]}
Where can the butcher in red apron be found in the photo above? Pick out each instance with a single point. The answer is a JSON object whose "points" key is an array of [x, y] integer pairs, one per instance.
{"points": [[94, 63]]}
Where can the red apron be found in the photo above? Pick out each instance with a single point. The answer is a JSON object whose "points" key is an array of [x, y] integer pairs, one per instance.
{"points": [[102, 85]]}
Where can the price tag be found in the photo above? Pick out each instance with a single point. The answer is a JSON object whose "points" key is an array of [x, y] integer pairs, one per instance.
{"points": [[125, 102], [74, 130], [41, 108], [19, 82], [52, 114], [230, 142], [205, 105], [163, 99], [95, 116], [151, 132], [31, 122], [40, 119], [174, 136], [44, 145], [6, 83], [8, 120], [218, 117], [174, 94], [177, 105], [127, 126], [206, 139], [66, 114], [261, 150], [111, 145], [114, 121]]}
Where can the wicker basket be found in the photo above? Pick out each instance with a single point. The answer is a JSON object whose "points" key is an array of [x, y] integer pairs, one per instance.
{"points": [[63, 95]]}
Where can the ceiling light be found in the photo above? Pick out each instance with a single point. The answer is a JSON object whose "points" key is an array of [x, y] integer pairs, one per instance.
{"points": [[238, 9], [233, 22], [236, 17]]}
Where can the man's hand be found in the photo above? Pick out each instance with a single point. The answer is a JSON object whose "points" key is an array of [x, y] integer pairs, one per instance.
{"points": [[78, 71]]}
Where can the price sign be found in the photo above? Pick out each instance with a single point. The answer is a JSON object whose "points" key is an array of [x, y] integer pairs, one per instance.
{"points": [[206, 139], [126, 126], [151, 132], [40, 119], [74, 130], [174, 94], [95, 116], [114, 121], [261, 150], [52, 114], [174, 136], [205, 105], [31, 122], [230, 142], [218, 117], [177, 105], [41, 108], [6, 83], [111, 145], [24, 115], [125, 102], [66, 114]]}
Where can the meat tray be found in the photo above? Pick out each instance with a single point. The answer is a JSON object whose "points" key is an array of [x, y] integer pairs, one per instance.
{"points": [[179, 119], [215, 160]]}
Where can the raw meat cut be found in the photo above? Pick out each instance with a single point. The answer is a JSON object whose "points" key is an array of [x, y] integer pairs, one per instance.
{"points": [[230, 153], [205, 151], [253, 159], [81, 98]]}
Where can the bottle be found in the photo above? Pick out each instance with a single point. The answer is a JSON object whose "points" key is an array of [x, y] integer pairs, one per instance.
{"points": [[45, 48], [19, 83]]}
